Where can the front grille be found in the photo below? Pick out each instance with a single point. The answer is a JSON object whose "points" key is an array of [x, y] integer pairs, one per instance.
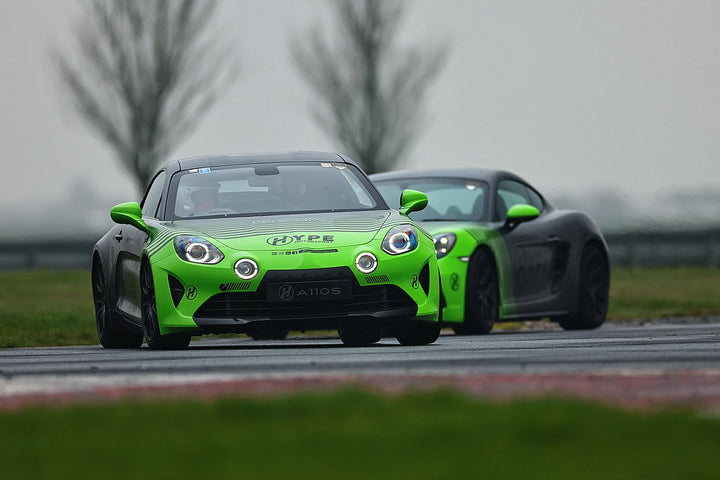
{"points": [[255, 306]]}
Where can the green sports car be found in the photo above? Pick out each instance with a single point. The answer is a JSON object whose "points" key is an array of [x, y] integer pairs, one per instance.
{"points": [[264, 244], [504, 252]]}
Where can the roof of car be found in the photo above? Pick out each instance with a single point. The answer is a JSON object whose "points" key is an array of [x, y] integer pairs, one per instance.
{"points": [[487, 174], [252, 158]]}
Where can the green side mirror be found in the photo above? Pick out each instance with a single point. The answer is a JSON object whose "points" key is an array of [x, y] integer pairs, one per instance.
{"points": [[522, 213], [128, 213], [412, 201]]}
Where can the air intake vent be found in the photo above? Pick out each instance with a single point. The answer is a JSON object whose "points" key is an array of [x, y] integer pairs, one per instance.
{"points": [[375, 279], [424, 278], [176, 290], [235, 286], [562, 256]]}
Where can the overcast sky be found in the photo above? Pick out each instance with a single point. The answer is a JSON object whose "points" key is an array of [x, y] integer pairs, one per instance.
{"points": [[573, 95]]}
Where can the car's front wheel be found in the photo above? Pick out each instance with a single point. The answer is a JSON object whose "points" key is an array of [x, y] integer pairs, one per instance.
{"points": [[593, 291], [482, 295], [155, 340], [108, 333]]}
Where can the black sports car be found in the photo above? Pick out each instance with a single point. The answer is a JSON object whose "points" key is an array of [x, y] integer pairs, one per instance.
{"points": [[504, 252]]}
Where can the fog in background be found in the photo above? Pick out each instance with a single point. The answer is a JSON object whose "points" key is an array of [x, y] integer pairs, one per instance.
{"points": [[610, 106]]}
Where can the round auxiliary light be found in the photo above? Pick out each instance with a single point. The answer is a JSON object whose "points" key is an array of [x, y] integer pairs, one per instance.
{"points": [[400, 242], [246, 269], [197, 252], [366, 262]]}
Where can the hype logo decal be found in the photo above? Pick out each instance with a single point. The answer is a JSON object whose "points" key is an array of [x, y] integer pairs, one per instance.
{"points": [[282, 240]]}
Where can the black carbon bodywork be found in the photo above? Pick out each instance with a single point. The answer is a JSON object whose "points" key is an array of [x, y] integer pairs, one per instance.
{"points": [[538, 262]]}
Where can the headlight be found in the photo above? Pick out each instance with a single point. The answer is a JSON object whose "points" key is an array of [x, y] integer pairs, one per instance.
{"points": [[444, 242], [197, 250], [400, 239], [366, 262], [246, 269]]}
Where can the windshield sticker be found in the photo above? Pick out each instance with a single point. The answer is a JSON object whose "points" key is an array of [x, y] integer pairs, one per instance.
{"points": [[286, 220], [340, 166], [203, 170], [326, 165]]}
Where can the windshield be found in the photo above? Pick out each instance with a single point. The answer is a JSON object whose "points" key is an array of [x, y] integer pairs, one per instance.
{"points": [[449, 199], [265, 189]]}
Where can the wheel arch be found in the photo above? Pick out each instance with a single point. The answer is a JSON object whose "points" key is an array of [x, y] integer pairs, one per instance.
{"points": [[107, 273], [600, 245], [503, 271], [144, 260]]}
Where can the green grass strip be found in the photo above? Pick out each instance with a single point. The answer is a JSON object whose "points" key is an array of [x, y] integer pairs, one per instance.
{"points": [[355, 435], [55, 308], [46, 308], [663, 292]]}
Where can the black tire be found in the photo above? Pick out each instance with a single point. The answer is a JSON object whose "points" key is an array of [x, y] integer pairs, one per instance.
{"points": [[360, 335], [268, 333], [153, 337], [419, 333], [108, 332], [482, 295], [593, 291]]}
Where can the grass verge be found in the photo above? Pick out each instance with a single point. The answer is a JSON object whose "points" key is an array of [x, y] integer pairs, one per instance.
{"points": [[46, 308], [55, 308], [353, 434], [664, 292]]}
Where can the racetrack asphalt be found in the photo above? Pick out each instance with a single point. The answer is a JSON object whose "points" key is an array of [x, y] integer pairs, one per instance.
{"points": [[633, 364]]}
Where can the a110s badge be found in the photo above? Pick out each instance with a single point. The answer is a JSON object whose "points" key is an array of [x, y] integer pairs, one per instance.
{"points": [[310, 292]]}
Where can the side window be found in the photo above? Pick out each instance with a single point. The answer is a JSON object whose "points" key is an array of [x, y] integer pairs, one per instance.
{"points": [[511, 193], [151, 203], [535, 199], [391, 193]]}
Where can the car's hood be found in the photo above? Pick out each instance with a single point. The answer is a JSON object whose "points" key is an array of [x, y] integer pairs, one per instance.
{"points": [[318, 230], [436, 227], [480, 231]]}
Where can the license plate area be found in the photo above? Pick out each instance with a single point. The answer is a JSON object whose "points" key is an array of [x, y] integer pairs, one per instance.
{"points": [[318, 291]]}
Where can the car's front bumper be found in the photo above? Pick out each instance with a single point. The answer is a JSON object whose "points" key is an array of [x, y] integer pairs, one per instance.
{"points": [[200, 299]]}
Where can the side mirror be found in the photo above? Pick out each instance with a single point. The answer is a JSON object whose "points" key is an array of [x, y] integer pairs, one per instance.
{"points": [[128, 213], [521, 213], [412, 201]]}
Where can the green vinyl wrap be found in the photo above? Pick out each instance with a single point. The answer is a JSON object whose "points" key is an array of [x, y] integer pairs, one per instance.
{"points": [[454, 265], [289, 242]]}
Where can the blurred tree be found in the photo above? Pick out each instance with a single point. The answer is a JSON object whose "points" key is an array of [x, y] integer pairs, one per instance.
{"points": [[146, 72], [370, 92]]}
